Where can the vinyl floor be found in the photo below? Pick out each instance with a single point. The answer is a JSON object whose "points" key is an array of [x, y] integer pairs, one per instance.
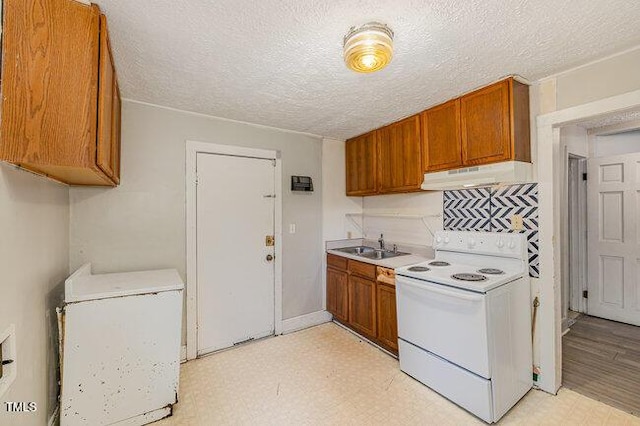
{"points": [[325, 375], [601, 359]]}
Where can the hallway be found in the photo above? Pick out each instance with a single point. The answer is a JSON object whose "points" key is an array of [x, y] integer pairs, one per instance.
{"points": [[601, 360]]}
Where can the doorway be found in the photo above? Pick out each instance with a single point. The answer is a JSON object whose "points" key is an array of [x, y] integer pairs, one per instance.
{"points": [[575, 258], [615, 109], [233, 247], [601, 284]]}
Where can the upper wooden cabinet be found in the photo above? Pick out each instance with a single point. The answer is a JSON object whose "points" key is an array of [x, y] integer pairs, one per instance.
{"points": [[361, 165], [60, 103], [495, 124], [441, 142], [399, 161], [486, 126]]}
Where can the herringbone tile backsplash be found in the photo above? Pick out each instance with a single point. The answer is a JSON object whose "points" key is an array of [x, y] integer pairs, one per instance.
{"points": [[491, 209]]}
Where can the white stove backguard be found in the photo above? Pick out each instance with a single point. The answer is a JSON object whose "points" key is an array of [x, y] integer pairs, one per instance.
{"points": [[464, 247]]}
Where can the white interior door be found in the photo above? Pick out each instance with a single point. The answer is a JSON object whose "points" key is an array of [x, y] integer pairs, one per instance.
{"points": [[235, 266], [613, 191]]}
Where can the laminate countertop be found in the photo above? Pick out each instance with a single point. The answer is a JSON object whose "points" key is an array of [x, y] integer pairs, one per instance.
{"points": [[394, 262]]}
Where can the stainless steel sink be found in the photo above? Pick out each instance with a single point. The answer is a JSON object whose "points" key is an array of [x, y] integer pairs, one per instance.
{"points": [[360, 250], [371, 253], [383, 254]]}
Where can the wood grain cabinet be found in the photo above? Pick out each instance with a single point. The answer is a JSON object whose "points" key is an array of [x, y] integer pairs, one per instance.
{"points": [[441, 139], [495, 124], [399, 160], [361, 165], [337, 294], [487, 126], [356, 299], [60, 103], [362, 305], [387, 316]]}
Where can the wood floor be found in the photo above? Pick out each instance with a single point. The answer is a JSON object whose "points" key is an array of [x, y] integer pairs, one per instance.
{"points": [[601, 360]]}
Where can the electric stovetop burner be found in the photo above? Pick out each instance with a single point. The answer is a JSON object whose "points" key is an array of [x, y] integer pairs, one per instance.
{"points": [[491, 271], [418, 269], [468, 277], [439, 263]]}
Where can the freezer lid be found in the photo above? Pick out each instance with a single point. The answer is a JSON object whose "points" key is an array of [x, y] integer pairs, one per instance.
{"points": [[82, 285]]}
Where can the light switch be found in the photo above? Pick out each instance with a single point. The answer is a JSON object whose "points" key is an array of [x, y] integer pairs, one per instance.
{"points": [[292, 228], [517, 222]]}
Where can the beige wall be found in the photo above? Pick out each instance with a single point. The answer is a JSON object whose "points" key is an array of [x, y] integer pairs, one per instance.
{"points": [[141, 224], [34, 259], [601, 79], [335, 204], [613, 76], [403, 230]]}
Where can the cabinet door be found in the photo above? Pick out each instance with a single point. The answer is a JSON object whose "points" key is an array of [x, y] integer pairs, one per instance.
{"points": [[115, 132], [486, 132], [49, 85], [361, 154], [105, 157], [441, 141], [362, 306], [399, 162], [387, 316], [337, 294]]}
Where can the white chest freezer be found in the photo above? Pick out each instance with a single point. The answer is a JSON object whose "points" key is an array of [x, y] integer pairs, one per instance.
{"points": [[120, 347]]}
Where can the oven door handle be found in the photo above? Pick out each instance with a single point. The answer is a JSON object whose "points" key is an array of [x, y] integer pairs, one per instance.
{"points": [[433, 289]]}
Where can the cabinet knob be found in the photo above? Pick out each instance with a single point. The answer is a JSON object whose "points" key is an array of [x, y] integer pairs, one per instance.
{"points": [[269, 257]]}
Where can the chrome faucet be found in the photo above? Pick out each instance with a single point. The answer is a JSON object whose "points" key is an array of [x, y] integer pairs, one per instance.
{"points": [[381, 241]]}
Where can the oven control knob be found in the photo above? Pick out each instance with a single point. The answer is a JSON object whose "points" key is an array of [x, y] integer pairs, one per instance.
{"points": [[472, 242], [500, 243], [512, 244], [438, 239], [446, 240]]}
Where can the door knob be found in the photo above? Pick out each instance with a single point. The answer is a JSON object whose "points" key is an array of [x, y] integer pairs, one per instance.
{"points": [[269, 257]]}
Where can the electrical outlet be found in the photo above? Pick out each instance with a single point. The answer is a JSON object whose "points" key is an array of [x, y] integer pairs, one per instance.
{"points": [[517, 223], [292, 228]]}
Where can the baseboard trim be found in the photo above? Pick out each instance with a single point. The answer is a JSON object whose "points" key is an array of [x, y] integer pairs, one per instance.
{"points": [[183, 354], [305, 321]]}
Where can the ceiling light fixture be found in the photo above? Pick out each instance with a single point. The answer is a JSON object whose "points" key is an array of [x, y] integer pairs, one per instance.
{"points": [[369, 47]]}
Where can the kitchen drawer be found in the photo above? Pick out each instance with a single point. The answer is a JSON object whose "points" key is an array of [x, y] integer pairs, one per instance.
{"points": [[365, 270], [386, 275], [469, 391], [337, 262]]}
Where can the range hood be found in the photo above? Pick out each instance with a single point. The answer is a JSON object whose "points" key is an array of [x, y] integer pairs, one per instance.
{"points": [[492, 174]]}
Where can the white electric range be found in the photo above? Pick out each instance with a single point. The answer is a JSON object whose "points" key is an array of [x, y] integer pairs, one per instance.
{"points": [[464, 321]]}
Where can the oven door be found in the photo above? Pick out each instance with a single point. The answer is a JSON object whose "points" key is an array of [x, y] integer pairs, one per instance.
{"points": [[446, 321]]}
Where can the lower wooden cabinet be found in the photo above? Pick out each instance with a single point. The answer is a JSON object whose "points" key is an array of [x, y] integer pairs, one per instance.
{"points": [[357, 300], [387, 315], [337, 294], [362, 305]]}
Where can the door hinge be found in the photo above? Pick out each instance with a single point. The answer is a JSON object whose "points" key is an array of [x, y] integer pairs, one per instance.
{"points": [[273, 163], [584, 176], [585, 294]]}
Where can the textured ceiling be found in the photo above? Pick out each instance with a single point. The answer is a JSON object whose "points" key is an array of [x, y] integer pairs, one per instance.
{"points": [[611, 119], [279, 63]]}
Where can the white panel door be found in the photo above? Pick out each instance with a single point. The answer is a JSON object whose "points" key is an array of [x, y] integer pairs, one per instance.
{"points": [[613, 189], [235, 267]]}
